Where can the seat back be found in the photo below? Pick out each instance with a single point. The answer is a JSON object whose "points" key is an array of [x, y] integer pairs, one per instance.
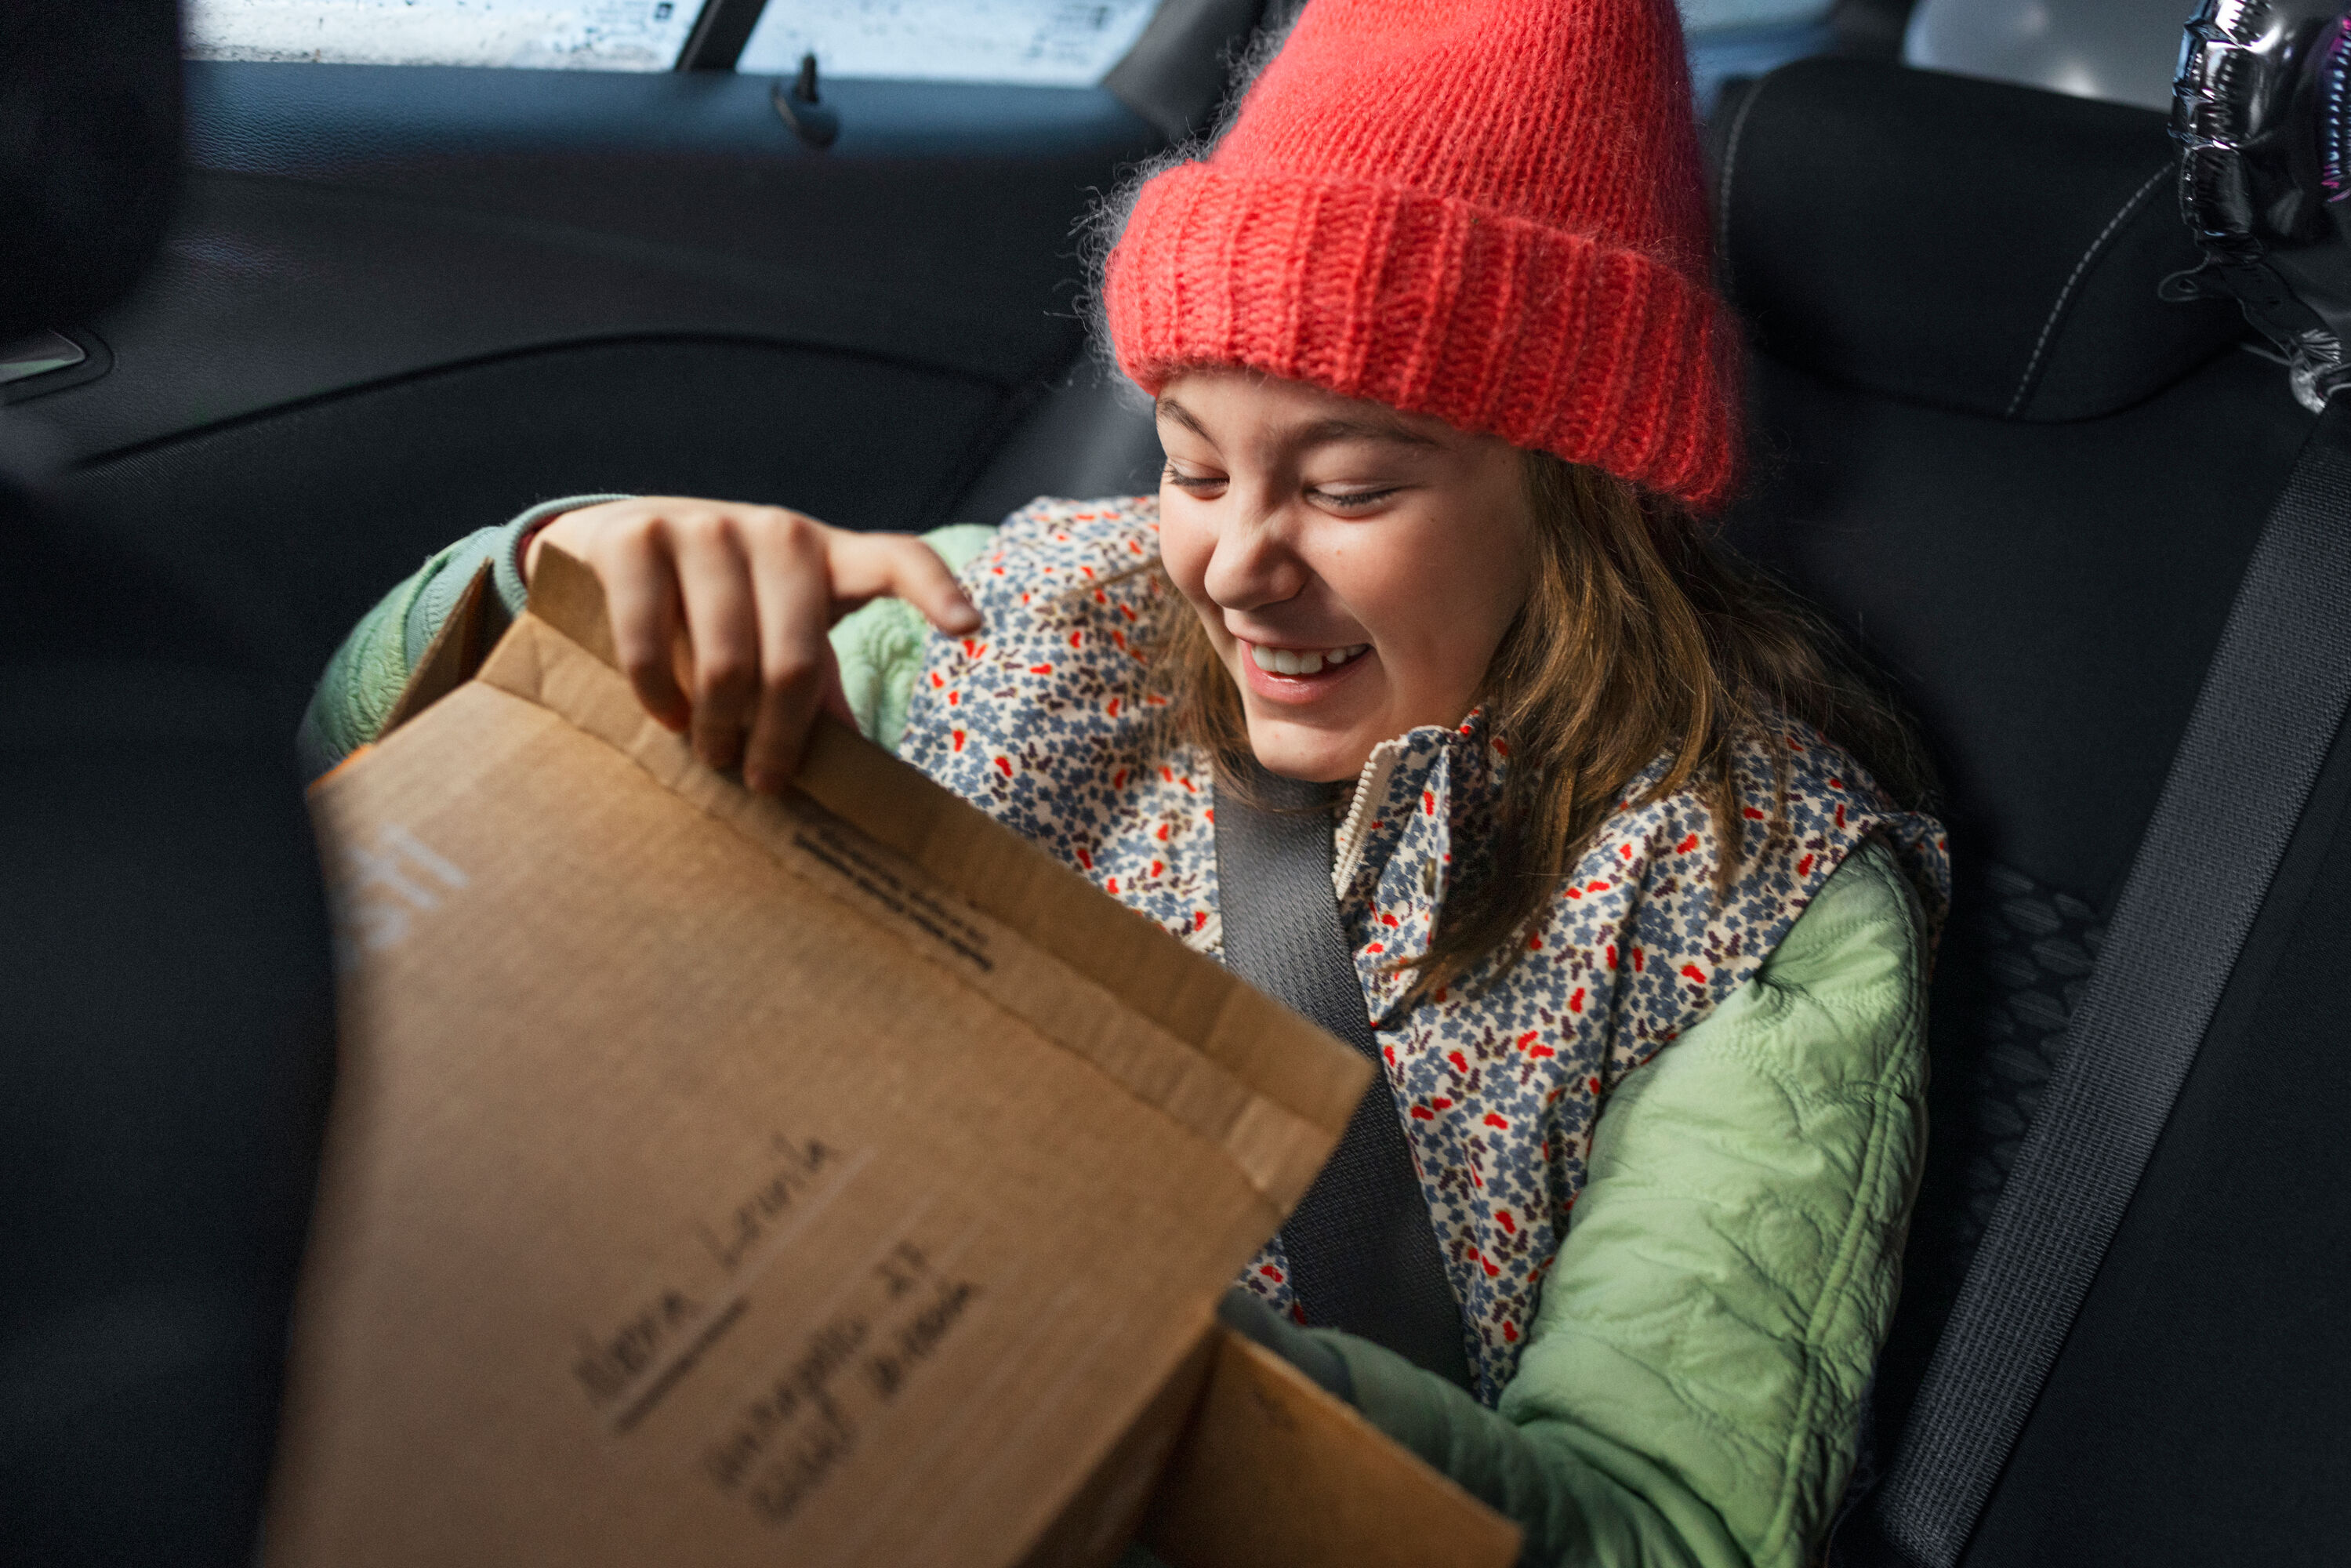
{"points": [[2029, 487], [167, 1033]]}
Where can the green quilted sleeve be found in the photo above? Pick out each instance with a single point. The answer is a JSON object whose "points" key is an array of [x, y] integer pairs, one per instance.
{"points": [[367, 673], [880, 646], [1691, 1389]]}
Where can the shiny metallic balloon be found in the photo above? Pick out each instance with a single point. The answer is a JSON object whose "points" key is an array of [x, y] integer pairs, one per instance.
{"points": [[2259, 109]]}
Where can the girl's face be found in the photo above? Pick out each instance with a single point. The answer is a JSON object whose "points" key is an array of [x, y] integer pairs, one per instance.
{"points": [[1354, 566]]}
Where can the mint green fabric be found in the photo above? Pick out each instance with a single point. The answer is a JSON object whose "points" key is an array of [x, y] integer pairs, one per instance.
{"points": [[880, 646], [364, 678]]}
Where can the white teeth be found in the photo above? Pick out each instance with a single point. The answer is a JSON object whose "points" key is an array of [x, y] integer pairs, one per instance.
{"points": [[1302, 661]]}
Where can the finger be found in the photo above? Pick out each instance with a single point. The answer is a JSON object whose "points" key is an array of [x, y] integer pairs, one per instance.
{"points": [[641, 600], [795, 591], [714, 581], [866, 565]]}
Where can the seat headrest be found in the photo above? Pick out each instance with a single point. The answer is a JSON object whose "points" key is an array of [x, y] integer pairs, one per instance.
{"points": [[89, 154], [1967, 243]]}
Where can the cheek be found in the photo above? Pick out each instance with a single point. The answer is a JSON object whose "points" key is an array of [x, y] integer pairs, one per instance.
{"points": [[1445, 605], [1186, 546], [1409, 594]]}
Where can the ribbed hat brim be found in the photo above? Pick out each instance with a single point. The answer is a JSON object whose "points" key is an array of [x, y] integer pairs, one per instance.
{"points": [[1546, 338]]}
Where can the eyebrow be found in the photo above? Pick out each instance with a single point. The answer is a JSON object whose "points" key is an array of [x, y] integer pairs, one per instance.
{"points": [[1323, 432]]}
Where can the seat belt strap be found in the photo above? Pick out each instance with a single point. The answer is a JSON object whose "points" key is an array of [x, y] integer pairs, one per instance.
{"points": [[1363, 1250], [2268, 712]]}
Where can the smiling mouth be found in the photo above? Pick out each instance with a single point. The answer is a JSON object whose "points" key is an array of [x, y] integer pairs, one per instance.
{"points": [[1302, 661]]}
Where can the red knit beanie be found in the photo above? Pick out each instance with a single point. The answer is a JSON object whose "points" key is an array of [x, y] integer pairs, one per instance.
{"points": [[1489, 211]]}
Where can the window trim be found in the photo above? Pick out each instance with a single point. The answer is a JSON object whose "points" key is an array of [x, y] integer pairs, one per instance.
{"points": [[719, 33]]}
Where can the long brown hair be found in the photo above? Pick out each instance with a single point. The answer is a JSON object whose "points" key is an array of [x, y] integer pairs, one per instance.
{"points": [[1642, 637]]}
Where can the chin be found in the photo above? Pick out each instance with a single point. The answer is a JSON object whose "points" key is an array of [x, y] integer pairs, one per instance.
{"points": [[1318, 757]]}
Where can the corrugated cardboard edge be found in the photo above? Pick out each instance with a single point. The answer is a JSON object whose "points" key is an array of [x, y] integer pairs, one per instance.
{"points": [[1290, 1067], [475, 623], [1256, 1467], [1191, 995], [567, 594], [1108, 1508], [1272, 1473], [1271, 1146]]}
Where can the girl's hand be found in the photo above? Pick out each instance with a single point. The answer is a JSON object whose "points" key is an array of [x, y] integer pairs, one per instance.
{"points": [[720, 614]]}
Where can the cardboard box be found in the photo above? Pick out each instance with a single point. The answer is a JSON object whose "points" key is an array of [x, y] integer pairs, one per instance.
{"points": [[719, 1179], [1271, 1472]]}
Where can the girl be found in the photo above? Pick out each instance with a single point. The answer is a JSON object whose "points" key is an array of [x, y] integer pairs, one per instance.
{"points": [[1444, 392]]}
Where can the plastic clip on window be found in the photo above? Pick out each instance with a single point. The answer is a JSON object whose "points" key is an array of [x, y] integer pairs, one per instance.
{"points": [[2259, 107], [796, 100]]}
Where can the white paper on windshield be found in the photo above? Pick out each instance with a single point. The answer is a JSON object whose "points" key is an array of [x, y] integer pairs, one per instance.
{"points": [[586, 34], [1030, 42], [1710, 16]]}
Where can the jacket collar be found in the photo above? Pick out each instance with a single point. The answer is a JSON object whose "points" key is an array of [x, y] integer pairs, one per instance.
{"points": [[1420, 818]]}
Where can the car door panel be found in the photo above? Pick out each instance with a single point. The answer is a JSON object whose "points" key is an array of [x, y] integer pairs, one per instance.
{"points": [[399, 302], [297, 521]]}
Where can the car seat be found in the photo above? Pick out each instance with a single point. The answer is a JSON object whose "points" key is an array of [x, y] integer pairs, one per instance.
{"points": [[2029, 486], [167, 1034]]}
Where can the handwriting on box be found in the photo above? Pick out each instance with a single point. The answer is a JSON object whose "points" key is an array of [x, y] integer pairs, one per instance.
{"points": [[796, 1424]]}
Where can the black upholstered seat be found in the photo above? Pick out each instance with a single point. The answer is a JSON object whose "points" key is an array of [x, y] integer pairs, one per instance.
{"points": [[2029, 487], [166, 1031]]}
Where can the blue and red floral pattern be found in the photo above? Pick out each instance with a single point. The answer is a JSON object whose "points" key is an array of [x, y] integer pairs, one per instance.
{"points": [[1043, 719]]}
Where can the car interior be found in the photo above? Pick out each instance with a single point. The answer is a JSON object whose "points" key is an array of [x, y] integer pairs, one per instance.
{"points": [[1993, 440], [168, 1030]]}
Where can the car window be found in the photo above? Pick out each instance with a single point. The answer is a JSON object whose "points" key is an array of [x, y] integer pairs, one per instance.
{"points": [[1034, 42], [1074, 43], [584, 34], [1733, 38], [1037, 43], [1701, 16]]}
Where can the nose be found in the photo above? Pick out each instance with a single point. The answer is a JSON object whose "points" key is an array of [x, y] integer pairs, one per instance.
{"points": [[1256, 562]]}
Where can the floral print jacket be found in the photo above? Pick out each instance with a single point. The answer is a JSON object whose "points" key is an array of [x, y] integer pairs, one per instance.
{"points": [[1044, 718]]}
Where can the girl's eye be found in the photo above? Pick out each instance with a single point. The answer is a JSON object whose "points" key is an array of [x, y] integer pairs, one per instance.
{"points": [[1194, 483], [1353, 500]]}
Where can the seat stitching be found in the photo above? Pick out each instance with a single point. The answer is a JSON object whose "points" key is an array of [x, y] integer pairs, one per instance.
{"points": [[2065, 295], [1729, 167]]}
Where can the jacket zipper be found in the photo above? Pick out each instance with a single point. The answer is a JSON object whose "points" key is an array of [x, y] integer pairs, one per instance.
{"points": [[1371, 788]]}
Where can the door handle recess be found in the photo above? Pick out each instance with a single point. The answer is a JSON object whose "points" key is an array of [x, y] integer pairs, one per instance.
{"points": [[52, 362], [41, 354]]}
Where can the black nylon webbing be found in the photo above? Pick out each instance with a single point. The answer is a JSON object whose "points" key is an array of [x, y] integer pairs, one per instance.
{"points": [[1363, 1253], [2269, 709]]}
